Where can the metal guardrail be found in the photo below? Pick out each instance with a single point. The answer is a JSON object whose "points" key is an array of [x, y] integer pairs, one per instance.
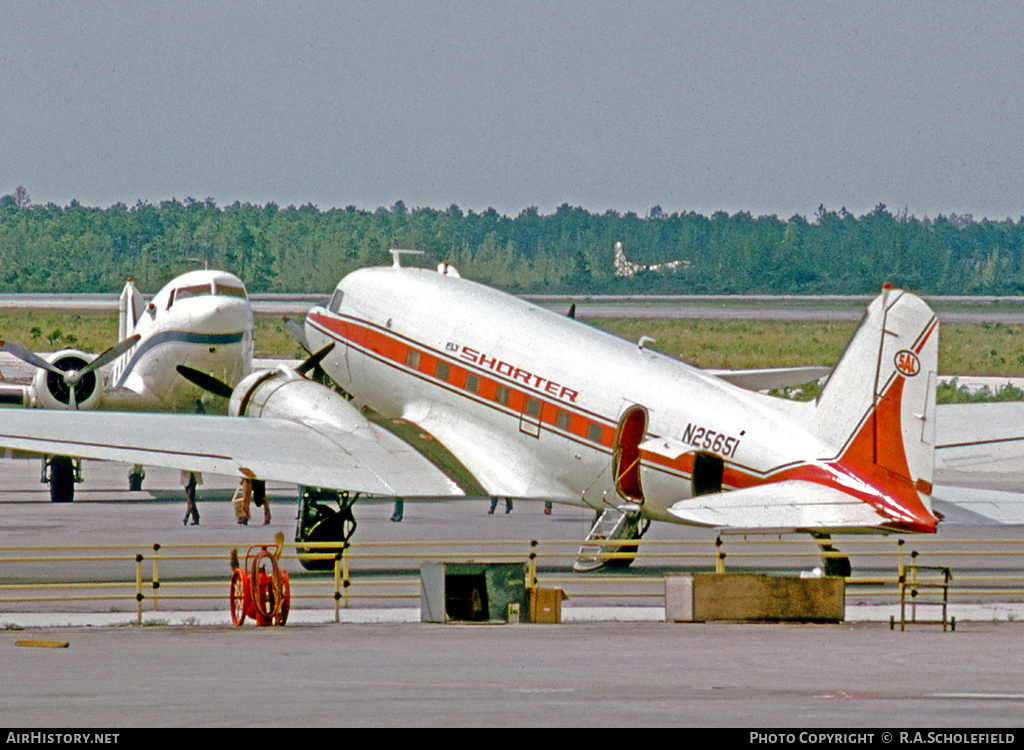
{"points": [[387, 571], [927, 580]]}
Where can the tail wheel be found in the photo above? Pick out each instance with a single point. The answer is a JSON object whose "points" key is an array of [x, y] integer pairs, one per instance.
{"points": [[239, 595]]}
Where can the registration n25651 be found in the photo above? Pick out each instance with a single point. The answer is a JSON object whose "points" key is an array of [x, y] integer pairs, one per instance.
{"points": [[711, 440]]}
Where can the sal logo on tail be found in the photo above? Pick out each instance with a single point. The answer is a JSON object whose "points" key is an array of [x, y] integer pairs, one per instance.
{"points": [[907, 363]]}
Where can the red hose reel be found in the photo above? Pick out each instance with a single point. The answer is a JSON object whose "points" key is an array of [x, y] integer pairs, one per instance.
{"points": [[260, 589]]}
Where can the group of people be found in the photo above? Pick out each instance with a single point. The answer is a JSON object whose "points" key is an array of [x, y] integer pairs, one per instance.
{"points": [[191, 479]]}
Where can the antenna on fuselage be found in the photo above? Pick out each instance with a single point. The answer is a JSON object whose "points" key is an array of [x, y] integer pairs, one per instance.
{"points": [[396, 255]]}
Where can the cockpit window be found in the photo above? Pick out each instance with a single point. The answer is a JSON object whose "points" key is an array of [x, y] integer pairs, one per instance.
{"points": [[200, 290], [184, 292], [335, 304], [229, 290]]}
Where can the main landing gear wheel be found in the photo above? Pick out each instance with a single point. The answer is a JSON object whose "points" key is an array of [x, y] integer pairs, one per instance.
{"points": [[324, 516], [60, 472]]}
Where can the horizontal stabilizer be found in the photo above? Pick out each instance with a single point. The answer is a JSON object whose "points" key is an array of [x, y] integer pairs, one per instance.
{"points": [[791, 505], [770, 378]]}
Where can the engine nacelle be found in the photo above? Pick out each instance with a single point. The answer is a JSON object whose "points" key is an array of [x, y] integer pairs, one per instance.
{"points": [[51, 391], [285, 394]]}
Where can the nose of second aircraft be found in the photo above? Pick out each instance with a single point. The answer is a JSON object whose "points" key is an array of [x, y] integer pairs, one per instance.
{"points": [[219, 315]]}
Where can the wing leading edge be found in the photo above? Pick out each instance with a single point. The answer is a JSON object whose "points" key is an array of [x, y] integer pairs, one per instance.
{"points": [[365, 459]]}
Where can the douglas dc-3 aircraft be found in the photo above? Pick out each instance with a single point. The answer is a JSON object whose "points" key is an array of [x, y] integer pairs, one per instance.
{"points": [[201, 319], [533, 404]]}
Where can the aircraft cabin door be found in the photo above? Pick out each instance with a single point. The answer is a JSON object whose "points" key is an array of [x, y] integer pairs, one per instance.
{"points": [[626, 456]]}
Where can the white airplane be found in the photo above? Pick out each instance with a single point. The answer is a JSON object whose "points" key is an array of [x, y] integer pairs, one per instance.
{"points": [[532, 404], [201, 319]]}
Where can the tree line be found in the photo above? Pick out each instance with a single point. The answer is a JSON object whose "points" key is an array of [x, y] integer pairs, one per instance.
{"points": [[75, 248]]}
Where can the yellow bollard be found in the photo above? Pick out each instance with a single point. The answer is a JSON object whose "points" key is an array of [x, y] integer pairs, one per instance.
{"points": [[138, 589], [156, 576]]}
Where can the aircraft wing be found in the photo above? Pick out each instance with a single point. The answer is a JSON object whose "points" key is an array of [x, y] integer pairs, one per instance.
{"points": [[775, 377], [365, 459], [971, 506], [781, 506]]}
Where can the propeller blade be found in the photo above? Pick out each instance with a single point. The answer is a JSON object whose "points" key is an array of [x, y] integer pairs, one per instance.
{"points": [[110, 355], [314, 360], [297, 333], [30, 357], [206, 382]]}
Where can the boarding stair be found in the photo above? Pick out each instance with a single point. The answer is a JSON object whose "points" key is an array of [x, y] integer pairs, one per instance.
{"points": [[623, 522]]}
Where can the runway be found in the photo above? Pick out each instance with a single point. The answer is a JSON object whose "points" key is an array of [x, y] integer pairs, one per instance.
{"points": [[191, 669], [953, 309]]}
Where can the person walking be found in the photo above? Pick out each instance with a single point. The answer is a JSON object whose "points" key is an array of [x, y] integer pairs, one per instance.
{"points": [[494, 504], [189, 480]]}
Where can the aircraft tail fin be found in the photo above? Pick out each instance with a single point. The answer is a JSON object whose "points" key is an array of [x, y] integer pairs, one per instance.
{"points": [[877, 409], [130, 308]]}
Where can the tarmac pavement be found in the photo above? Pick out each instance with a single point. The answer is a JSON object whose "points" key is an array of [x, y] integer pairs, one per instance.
{"points": [[581, 675], [604, 666]]}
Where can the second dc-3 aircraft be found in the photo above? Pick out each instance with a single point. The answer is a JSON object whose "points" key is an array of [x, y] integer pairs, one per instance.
{"points": [[532, 404], [202, 319]]}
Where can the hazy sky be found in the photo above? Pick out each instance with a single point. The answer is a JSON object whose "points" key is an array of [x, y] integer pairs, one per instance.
{"points": [[766, 107]]}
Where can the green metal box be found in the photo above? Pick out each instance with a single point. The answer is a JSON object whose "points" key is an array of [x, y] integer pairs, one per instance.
{"points": [[473, 592]]}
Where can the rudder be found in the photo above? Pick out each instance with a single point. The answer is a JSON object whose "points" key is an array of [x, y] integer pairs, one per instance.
{"points": [[130, 308], [877, 409]]}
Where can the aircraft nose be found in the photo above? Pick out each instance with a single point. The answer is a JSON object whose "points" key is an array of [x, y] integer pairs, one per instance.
{"points": [[222, 316]]}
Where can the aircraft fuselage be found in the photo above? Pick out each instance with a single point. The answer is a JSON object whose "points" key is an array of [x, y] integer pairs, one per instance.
{"points": [[470, 363]]}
